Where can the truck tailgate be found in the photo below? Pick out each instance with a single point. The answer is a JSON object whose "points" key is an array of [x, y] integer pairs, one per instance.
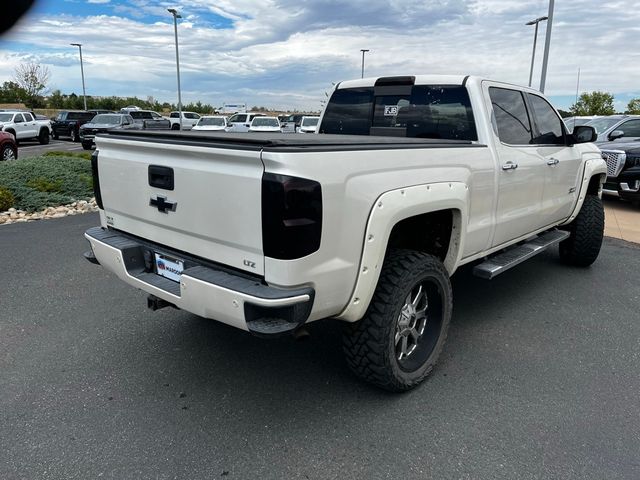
{"points": [[216, 192]]}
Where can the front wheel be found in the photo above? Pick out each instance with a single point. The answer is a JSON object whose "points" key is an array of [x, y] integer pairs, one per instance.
{"points": [[398, 341], [44, 136], [8, 153], [86, 145], [586, 232]]}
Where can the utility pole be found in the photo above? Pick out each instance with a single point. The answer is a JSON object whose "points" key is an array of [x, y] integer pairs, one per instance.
{"points": [[363, 50], [84, 92], [547, 44], [176, 16]]}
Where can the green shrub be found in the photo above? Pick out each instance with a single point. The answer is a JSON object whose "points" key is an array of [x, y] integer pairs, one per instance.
{"points": [[6, 199], [45, 185], [47, 181], [57, 153], [87, 180]]}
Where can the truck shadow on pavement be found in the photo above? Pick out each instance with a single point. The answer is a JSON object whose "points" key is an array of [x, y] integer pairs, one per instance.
{"points": [[211, 357]]}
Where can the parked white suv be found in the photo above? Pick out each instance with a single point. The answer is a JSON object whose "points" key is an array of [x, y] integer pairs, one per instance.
{"points": [[23, 126], [189, 120], [241, 122], [308, 125]]}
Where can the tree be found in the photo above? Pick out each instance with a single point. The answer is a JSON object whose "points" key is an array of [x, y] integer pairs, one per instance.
{"points": [[56, 99], [11, 92], [633, 107], [32, 78], [594, 103]]}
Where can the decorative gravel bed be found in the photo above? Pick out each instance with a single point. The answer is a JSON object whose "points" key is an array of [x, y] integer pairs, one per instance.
{"points": [[76, 208]]}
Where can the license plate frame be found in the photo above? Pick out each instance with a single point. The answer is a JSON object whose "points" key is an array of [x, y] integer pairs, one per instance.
{"points": [[168, 266]]}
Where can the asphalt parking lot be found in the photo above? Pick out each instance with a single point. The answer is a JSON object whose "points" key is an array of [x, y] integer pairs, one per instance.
{"points": [[539, 380], [32, 148]]}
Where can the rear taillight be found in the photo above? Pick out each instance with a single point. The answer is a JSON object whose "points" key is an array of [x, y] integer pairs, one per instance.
{"points": [[291, 216], [96, 179]]}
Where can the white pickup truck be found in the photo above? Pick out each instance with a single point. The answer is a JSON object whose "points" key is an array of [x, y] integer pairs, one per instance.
{"points": [[24, 126], [408, 179]]}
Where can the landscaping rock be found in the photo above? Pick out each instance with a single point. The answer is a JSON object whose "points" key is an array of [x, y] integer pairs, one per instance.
{"points": [[20, 216]]}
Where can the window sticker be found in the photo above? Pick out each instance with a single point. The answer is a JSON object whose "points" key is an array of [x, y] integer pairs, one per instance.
{"points": [[390, 110]]}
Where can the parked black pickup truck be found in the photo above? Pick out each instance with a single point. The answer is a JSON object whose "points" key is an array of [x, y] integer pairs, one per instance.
{"points": [[68, 123], [623, 168]]}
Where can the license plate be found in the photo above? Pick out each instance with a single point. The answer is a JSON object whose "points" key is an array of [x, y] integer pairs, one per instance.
{"points": [[169, 267]]}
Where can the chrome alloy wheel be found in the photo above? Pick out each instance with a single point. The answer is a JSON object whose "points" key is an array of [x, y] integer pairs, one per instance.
{"points": [[411, 322], [8, 154]]}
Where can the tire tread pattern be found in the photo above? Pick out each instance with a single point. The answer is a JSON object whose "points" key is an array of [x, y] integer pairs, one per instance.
{"points": [[587, 231], [365, 343]]}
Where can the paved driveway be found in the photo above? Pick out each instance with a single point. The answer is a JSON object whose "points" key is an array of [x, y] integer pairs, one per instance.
{"points": [[28, 149], [539, 380]]}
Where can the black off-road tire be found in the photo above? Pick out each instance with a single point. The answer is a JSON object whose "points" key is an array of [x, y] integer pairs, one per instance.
{"points": [[370, 344], [586, 232], [87, 146], [55, 135], [175, 126], [43, 136]]}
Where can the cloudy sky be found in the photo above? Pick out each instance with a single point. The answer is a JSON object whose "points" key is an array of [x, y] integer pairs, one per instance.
{"points": [[285, 53]]}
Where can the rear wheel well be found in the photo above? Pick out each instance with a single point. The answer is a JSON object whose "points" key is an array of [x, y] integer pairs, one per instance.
{"points": [[428, 233]]}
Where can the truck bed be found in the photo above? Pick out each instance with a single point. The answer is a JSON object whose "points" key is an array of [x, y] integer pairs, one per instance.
{"points": [[285, 141]]}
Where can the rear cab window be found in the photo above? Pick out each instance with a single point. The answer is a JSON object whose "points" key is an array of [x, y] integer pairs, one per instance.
{"points": [[418, 111]]}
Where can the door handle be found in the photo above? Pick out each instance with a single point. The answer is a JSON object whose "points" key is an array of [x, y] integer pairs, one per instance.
{"points": [[509, 166], [553, 161]]}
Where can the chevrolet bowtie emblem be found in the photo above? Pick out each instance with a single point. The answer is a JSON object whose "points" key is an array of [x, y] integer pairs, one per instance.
{"points": [[162, 204]]}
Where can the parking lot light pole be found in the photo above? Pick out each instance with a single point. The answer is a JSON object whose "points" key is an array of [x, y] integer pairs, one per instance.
{"points": [[176, 16], [547, 45], [363, 50], [535, 39], [84, 93]]}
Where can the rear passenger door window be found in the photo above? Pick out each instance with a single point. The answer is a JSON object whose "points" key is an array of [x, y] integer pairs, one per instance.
{"points": [[548, 123], [512, 119]]}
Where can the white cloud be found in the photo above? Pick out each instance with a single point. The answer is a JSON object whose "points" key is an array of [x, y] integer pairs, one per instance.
{"points": [[285, 53], [98, 1]]}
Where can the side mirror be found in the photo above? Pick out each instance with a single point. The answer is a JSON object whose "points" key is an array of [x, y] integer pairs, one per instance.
{"points": [[584, 134], [616, 134]]}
